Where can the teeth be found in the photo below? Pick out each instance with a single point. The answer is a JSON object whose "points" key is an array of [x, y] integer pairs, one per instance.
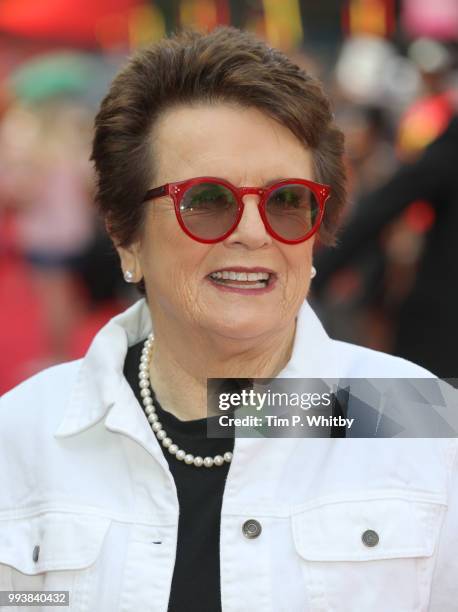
{"points": [[241, 276], [259, 285]]}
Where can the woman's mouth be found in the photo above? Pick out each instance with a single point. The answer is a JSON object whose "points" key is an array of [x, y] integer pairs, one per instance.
{"points": [[246, 281]]}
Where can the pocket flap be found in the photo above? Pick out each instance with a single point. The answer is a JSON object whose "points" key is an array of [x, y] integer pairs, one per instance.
{"points": [[343, 531], [65, 541]]}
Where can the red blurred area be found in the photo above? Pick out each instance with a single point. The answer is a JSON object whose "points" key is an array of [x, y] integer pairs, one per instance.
{"points": [[24, 340], [86, 22], [420, 216], [26, 347]]}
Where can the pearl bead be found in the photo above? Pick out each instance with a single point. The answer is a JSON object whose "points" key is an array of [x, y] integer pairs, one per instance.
{"points": [[156, 425]]}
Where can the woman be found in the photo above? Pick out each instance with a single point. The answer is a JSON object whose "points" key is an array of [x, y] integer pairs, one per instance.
{"points": [[217, 163]]}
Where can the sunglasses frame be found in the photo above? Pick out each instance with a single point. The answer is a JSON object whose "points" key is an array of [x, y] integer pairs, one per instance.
{"points": [[177, 190]]}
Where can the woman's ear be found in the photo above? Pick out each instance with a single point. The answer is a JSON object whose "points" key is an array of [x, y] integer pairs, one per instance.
{"points": [[130, 263], [129, 258]]}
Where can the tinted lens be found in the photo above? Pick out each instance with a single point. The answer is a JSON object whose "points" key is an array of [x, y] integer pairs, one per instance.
{"points": [[292, 211], [208, 210]]}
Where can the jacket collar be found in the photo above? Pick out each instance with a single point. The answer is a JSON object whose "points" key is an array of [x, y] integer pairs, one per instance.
{"points": [[314, 352], [100, 379], [101, 384]]}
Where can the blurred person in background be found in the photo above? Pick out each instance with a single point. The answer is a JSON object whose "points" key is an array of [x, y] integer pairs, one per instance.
{"points": [[48, 182], [425, 328], [53, 243], [370, 159], [59, 282], [218, 162], [362, 297]]}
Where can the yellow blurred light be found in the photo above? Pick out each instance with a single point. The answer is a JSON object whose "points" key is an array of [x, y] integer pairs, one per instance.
{"points": [[283, 24], [146, 25], [370, 17]]}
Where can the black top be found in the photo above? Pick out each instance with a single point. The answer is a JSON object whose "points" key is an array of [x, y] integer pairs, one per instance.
{"points": [[196, 576]]}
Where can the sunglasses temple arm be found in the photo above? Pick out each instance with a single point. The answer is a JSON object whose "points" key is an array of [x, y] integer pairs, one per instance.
{"points": [[157, 192]]}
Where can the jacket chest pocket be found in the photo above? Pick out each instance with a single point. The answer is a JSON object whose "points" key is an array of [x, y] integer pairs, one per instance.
{"points": [[368, 555], [53, 551]]}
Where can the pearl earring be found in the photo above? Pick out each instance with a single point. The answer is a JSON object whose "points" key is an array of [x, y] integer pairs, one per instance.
{"points": [[313, 272], [128, 276]]}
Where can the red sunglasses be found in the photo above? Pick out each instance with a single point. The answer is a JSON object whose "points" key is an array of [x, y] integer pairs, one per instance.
{"points": [[209, 209]]}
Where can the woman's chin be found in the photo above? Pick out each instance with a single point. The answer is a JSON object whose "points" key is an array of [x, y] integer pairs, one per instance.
{"points": [[241, 328], [239, 317]]}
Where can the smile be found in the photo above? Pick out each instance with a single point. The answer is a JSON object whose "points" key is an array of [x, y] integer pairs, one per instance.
{"points": [[249, 281]]}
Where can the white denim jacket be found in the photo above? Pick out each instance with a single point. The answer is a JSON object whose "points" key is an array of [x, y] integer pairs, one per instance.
{"points": [[83, 477]]}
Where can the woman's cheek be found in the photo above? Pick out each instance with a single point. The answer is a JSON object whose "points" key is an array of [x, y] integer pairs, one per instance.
{"points": [[183, 286], [298, 279]]}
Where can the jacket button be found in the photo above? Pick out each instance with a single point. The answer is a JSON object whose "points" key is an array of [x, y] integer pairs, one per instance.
{"points": [[251, 528], [370, 537], [36, 552]]}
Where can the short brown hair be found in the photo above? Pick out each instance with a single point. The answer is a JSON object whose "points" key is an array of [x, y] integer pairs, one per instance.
{"points": [[225, 65]]}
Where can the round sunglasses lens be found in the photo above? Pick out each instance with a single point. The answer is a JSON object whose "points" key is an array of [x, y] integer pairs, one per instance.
{"points": [[208, 210], [292, 211]]}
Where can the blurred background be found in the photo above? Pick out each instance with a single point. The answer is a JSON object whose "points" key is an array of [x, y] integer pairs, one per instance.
{"points": [[391, 69]]}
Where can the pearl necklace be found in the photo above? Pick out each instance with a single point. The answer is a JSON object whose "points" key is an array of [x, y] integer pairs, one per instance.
{"points": [[156, 425]]}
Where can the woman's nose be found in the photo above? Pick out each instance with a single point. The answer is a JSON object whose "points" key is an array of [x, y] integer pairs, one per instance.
{"points": [[251, 230]]}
